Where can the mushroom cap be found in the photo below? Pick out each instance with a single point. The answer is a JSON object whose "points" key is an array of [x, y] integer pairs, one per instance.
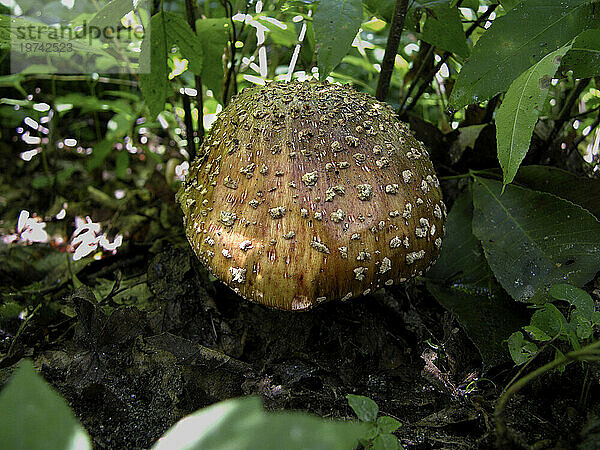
{"points": [[306, 192]]}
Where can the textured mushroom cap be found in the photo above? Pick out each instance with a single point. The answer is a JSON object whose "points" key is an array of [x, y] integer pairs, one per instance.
{"points": [[310, 192]]}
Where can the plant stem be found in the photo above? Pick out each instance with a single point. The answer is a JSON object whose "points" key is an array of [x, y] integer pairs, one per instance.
{"points": [[412, 86], [581, 137], [189, 126], [190, 11], [391, 49], [429, 77], [230, 78], [565, 112], [589, 351]]}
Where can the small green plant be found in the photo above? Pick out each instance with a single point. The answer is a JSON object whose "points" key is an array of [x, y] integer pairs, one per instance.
{"points": [[548, 324], [379, 434], [40, 418]]}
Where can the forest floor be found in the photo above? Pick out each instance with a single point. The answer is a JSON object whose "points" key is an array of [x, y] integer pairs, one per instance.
{"points": [[138, 339], [131, 371]]}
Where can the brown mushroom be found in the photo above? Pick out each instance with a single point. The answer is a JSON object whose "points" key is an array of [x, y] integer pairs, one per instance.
{"points": [[310, 192]]}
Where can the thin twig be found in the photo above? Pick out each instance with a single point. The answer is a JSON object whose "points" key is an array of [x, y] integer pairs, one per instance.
{"points": [[230, 72], [564, 116], [582, 137], [297, 49], [191, 15], [585, 113], [429, 78], [391, 49], [189, 126], [412, 86], [590, 351]]}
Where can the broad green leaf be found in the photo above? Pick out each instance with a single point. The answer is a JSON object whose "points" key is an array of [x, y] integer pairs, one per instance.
{"points": [[99, 153], [335, 24], [154, 81], [537, 334], [520, 109], [515, 42], [364, 408], [384, 9], [550, 320], [443, 28], [180, 34], [584, 56], [520, 350], [241, 424], [111, 13], [486, 319], [461, 281], [388, 424], [582, 325], [509, 4], [214, 35], [35, 417], [386, 442], [582, 191], [575, 296], [533, 240], [461, 264], [121, 165]]}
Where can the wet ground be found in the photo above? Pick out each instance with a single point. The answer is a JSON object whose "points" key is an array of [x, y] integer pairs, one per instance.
{"points": [[146, 354]]}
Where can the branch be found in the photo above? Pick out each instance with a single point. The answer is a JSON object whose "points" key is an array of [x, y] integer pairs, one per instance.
{"points": [[230, 72], [429, 78], [582, 137], [190, 12], [391, 49], [189, 126], [590, 351], [565, 112]]}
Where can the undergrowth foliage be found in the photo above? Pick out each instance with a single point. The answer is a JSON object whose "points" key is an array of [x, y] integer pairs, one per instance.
{"points": [[505, 94]]}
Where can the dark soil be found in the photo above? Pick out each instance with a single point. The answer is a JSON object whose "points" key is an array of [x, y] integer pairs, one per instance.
{"points": [[130, 373]]}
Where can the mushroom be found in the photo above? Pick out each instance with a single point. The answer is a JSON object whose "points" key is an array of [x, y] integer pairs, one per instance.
{"points": [[307, 192]]}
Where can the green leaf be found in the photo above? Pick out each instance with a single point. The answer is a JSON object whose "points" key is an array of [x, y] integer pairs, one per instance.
{"points": [[214, 35], [365, 409], [520, 350], [443, 28], [154, 77], [10, 310], [461, 264], [537, 334], [550, 320], [487, 320], [582, 191], [388, 424], [386, 442], [508, 47], [241, 424], [461, 281], [580, 299], [509, 4], [533, 240], [582, 325], [35, 416], [121, 165], [111, 13], [584, 56], [336, 23], [99, 153], [180, 34], [520, 109]]}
